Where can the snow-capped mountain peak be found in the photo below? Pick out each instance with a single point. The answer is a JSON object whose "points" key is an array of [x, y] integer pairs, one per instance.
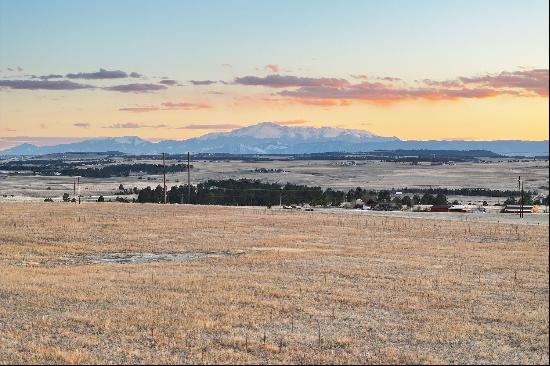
{"points": [[271, 130]]}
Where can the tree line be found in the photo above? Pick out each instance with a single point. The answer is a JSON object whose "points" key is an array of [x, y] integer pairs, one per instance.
{"points": [[124, 170], [486, 192], [246, 192]]}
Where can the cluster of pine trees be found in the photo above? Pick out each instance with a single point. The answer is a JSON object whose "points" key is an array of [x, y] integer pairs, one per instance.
{"points": [[124, 170], [245, 192]]}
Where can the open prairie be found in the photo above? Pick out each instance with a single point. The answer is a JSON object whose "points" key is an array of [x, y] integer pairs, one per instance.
{"points": [[122, 283], [376, 175]]}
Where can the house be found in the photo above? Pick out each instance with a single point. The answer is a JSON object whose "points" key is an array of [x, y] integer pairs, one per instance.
{"points": [[459, 208], [518, 209], [440, 208]]}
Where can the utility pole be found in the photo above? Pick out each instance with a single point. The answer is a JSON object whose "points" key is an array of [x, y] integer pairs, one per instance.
{"points": [[520, 197], [74, 188], [164, 176], [521, 209], [78, 182], [188, 177]]}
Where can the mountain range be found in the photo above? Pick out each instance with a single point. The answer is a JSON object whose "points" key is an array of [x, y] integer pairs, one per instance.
{"points": [[272, 138]]}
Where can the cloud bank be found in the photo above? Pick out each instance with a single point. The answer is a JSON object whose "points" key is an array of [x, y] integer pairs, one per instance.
{"points": [[333, 91]]}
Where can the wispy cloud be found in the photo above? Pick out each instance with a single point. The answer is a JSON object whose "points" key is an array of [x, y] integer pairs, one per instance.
{"points": [[139, 109], [185, 105], [167, 106], [131, 125], [43, 85], [103, 74], [203, 82], [222, 126], [82, 124], [136, 88]]}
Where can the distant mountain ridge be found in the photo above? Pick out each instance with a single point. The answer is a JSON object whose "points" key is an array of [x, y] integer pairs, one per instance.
{"points": [[272, 138]]}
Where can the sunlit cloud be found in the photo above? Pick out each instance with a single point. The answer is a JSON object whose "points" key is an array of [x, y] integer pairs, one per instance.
{"points": [[378, 92], [535, 81], [390, 89], [272, 67], [139, 109]]}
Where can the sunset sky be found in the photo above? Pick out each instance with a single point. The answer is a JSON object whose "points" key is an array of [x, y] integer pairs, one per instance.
{"points": [[177, 69]]}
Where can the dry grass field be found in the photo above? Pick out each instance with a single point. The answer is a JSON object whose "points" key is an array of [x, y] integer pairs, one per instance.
{"points": [[233, 285]]}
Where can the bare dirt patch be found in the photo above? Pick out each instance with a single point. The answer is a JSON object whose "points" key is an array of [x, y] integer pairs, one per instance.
{"points": [[131, 258]]}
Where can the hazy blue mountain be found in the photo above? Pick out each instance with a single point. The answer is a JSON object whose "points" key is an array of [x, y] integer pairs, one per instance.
{"points": [[271, 138]]}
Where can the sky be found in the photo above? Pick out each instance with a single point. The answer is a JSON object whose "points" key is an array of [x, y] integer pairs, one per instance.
{"points": [[420, 69]]}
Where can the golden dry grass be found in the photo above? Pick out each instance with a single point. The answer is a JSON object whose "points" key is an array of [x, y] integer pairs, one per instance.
{"points": [[302, 287]]}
